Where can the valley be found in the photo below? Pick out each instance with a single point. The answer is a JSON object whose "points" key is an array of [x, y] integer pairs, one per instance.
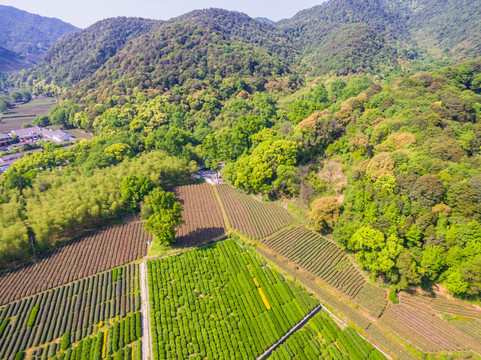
{"points": [[240, 188]]}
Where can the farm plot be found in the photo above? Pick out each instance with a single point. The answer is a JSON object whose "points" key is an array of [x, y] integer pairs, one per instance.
{"points": [[321, 338], [472, 328], [454, 307], [26, 113], [372, 298], [202, 215], [220, 302], [428, 332], [253, 218], [120, 340], [78, 310], [320, 257], [90, 254]]}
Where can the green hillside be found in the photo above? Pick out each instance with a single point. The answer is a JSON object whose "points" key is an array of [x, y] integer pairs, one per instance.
{"points": [[79, 55], [328, 110]]}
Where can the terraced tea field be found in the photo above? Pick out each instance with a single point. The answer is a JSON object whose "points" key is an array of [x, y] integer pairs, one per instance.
{"points": [[428, 332], [90, 254], [220, 302], [251, 217], [320, 257], [321, 338], [202, 215], [119, 340], [373, 298], [79, 309]]}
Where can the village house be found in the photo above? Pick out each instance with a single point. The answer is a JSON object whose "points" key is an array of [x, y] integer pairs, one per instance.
{"points": [[35, 133]]}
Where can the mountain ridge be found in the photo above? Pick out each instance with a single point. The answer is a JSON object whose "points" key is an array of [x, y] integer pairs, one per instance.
{"points": [[30, 35], [339, 36]]}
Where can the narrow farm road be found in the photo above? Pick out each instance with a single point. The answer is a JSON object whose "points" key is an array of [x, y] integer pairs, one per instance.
{"points": [[144, 294], [290, 332]]}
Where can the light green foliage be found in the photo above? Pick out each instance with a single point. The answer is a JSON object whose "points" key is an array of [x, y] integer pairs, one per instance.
{"points": [[118, 151], [65, 343], [455, 283], [257, 171], [33, 316], [162, 214], [433, 261], [134, 189], [393, 295], [374, 252], [315, 99]]}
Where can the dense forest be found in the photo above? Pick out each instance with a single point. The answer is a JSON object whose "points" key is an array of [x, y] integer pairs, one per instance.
{"points": [[362, 115]]}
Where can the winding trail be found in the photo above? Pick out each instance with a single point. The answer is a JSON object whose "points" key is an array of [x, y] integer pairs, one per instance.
{"points": [[146, 329], [290, 332]]}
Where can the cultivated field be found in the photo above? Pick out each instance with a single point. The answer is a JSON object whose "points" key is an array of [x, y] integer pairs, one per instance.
{"points": [[120, 340], [253, 218], [220, 302], [320, 257], [79, 309], [25, 113], [90, 254], [373, 298], [321, 338], [416, 320], [202, 215], [337, 304], [429, 333]]}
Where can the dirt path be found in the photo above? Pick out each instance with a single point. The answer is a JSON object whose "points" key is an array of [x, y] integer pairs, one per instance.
{"points": [[290, 332], [144, 293]]}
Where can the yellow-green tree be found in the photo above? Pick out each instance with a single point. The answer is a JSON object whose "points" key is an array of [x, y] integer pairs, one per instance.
{"points": [[163, 214]]}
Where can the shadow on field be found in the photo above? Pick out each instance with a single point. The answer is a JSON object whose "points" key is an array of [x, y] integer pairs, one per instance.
{"points": [[199, 237]]}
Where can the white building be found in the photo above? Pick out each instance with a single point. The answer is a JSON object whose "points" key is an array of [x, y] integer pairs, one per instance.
{"points": [[34, 133]]}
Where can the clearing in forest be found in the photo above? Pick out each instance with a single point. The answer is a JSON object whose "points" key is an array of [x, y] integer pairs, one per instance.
{"points": [[25, 113]]}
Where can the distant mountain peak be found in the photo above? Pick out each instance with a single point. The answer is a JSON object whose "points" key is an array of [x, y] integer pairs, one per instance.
{"points": [[265, 20], [30, 35]]}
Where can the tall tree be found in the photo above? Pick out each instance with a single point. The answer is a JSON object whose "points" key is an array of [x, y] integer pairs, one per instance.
{"points": [[162, 214]]}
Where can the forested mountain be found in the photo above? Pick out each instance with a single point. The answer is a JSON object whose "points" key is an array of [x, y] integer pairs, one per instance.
{"points": [[447, 27], [345, 36], [339, 36], [28, 34], [79, 55]]}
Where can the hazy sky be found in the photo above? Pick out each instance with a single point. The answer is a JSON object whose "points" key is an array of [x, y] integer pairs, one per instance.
{"points": [[85, 12]]}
